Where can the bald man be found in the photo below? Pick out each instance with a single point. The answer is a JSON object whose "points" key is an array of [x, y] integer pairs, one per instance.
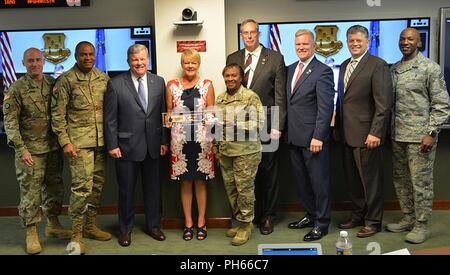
{"points": [[421, 107], [38, 159]]}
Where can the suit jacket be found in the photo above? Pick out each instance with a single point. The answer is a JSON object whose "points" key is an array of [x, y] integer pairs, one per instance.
{"points": [[364, 107], [269, 81], [127, 125], [310, 104]]}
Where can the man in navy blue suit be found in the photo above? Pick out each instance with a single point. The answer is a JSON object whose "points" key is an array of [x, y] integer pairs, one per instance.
{"points": [[134, 136], [310, 93]]}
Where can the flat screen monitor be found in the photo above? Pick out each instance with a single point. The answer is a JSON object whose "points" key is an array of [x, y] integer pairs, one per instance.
{"points": [[58, 46], [444, 45], [331, 38], [290, 249]]}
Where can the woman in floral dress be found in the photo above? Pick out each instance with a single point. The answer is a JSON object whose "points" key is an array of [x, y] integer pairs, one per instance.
{"points": [[191, 156]]}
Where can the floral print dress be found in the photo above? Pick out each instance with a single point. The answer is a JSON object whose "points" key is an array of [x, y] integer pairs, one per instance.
{"points": [[191, 149]]}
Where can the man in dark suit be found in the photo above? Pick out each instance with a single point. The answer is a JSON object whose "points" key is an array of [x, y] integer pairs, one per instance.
{"points": [[265, 74], [365, 100], [134, 136], [310, 94]]}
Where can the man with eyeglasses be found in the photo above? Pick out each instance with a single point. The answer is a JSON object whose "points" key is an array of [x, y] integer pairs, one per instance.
{"points": [[265, 74]]}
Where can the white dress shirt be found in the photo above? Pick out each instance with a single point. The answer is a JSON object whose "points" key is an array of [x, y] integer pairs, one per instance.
{"points": [[347, 68], [305, 66]]}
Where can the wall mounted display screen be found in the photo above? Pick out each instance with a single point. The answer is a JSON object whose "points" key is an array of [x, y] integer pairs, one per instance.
{"points": [[444, 46], [331, 38], [58, 46], [12, 4], [444, 49]]}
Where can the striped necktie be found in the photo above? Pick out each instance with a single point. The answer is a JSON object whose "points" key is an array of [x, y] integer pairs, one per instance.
{"points": [[247, 68], [349, 72]]}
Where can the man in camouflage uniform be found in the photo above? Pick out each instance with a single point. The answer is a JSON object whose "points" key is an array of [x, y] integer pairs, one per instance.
{"points": [[77, 120], [421, 107], [239, 151], [38, 157]]}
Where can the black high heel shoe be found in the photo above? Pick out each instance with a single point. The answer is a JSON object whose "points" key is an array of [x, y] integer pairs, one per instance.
{"points": [[188, 233], [202, 233]]}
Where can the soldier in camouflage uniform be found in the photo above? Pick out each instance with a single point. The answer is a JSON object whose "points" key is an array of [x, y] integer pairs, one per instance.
{"points": [[421, 107], [77, 120], [239, 155], [38, 157]]}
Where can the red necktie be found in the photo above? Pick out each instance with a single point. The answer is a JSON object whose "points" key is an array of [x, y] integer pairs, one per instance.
{"points": [[299, 73], [247, 68]]}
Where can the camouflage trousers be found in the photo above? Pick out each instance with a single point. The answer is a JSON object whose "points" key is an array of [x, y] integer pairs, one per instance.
{"points": [[238, 177], [413, 179], [88, 176], [40, 184]]}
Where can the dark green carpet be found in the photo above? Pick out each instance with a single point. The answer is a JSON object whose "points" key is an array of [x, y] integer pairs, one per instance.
{"points": [[12, 239]]}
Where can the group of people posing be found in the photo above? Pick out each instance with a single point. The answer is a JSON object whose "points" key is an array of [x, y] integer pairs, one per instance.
{"points": [[89, 115]]}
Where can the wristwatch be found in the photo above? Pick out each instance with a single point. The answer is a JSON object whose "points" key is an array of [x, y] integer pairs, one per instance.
{"points": [[432, 133]]}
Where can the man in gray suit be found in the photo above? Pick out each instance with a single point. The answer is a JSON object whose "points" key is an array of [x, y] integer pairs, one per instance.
{"points": [[265, 74], [134, 136], [365, 100]]}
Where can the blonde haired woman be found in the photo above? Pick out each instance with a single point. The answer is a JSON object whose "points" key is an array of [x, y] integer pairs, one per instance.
{"points": [[191, 156]]}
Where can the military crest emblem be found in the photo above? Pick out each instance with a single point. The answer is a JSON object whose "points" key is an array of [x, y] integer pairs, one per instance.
{"points": [[326, 40], [54, 48]]}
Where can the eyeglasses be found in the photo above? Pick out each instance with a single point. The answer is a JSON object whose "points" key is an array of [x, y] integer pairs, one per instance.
{"points": [[249, 33]]}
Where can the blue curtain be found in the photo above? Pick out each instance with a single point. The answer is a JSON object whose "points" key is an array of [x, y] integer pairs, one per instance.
{"points": [[374, 36], [100, 61]]}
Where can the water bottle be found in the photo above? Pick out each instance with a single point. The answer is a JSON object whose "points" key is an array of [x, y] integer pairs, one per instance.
{"points": [[343, 244]]}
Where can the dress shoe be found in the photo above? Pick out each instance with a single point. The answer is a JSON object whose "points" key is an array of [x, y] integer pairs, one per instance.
{"points": [[266, 227], [350, 224], [125, 239], [315, 234], [304, 222], [157, 234], [368, 231]]}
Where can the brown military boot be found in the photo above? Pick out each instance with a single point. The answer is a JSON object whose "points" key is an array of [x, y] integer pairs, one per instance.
{"points": [[33, 245], [91, 230], [406, 223], [419, 234], [243, 234], [54, 229], [232, 232], [76, 245]]}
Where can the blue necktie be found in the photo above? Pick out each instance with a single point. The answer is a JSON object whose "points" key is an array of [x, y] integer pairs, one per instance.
{"points": [[141, 93]]}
